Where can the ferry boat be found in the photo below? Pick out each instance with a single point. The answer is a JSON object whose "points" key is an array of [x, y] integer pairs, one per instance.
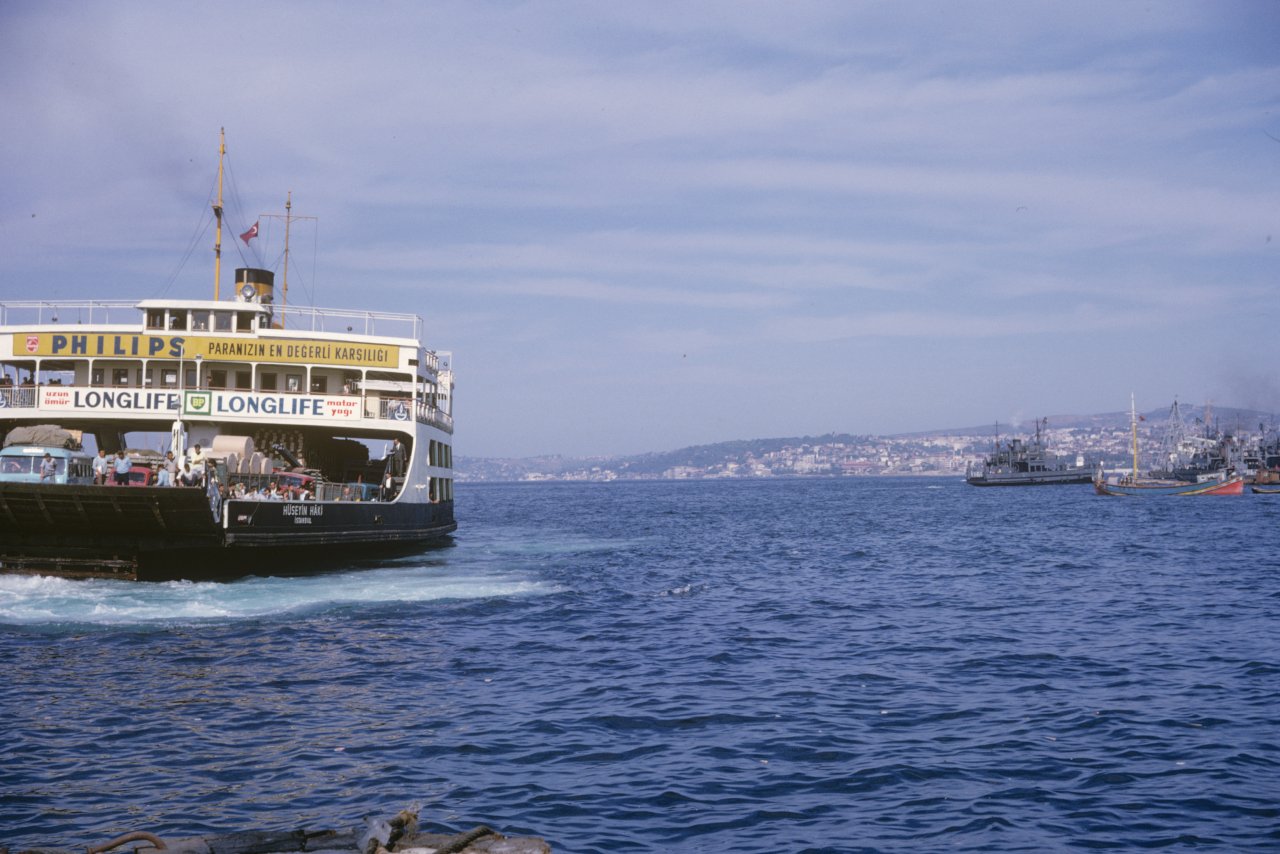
{"points": [[327, 433], [1025, 463], [332, 390]]}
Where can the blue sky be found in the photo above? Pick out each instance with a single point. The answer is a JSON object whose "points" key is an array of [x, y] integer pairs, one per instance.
{"points": [[647, 225]]}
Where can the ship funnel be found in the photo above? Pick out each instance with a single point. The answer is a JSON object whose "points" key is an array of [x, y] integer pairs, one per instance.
{"points": [[254, 285]]}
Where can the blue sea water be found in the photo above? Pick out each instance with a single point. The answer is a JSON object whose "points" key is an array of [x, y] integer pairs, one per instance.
{"points": [[774, 666]]}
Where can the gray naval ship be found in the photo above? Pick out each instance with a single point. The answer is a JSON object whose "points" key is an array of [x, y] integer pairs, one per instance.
{"points": [[1019, 462]]}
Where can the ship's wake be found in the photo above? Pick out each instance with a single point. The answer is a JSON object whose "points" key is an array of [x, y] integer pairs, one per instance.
{"points": [[59, 604]]}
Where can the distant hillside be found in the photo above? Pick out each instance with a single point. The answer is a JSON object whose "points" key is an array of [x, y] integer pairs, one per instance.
{"points": [[1229, 418], [651, 463], [740, 451], [699, 456]]}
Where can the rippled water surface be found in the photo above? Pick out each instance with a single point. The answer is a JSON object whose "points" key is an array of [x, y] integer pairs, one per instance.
{"points": [[827, 665]]}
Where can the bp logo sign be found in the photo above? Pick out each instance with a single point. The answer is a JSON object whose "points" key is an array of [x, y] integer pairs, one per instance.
{"points": [[196, 403]]}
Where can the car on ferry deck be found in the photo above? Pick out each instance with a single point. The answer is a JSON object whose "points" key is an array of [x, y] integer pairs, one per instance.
{"points": [[21, 464], [142, 474]]}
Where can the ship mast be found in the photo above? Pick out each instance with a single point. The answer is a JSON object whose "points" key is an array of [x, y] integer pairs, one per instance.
{"points": [[288, 221], [284, 300], [217, 213], [1133, 420]]}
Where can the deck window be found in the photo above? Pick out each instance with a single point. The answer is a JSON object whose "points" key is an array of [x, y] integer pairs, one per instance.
{"points": [[244, 380], [320, 385], [178, 320], [169, 377], [217, 379], [268, 381], [222, 321], [97, 376], [155, 318], [244, 321], [120, 376], [293, 382]]}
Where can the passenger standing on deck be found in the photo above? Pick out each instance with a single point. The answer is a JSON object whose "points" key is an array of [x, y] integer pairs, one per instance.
{"points": [[122, 466], [169, 470], [48, 468], [395, 469], [197, 458], [396, 459], [101, 468], [213, 490]]}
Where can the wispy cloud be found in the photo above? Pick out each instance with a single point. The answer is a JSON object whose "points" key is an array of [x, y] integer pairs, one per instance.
{"points": [[570, 191]]}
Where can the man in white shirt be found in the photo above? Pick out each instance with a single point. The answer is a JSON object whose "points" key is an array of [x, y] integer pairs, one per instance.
{"points": [[101, 468], [168, 470]]}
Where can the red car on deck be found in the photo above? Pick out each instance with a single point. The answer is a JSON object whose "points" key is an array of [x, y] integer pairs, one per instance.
{"points": [[142, 475]]}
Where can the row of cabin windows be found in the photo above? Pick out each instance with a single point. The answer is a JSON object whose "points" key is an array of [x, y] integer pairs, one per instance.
{"points": [[213, 378], [440, 454], [440, 489], [200, 321]]}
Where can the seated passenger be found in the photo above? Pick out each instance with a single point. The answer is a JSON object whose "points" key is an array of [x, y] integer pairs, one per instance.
{"points": [[188, 476]]}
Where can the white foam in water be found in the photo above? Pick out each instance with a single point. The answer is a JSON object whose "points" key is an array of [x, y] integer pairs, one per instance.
{"points": [[38, 600]]}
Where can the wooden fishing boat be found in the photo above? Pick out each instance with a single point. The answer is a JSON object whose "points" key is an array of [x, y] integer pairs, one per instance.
{"points": [[1229, 485], [1216, 483]]}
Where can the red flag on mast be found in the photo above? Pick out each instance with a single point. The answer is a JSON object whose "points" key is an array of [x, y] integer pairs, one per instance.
{"points": [[250, 234]]}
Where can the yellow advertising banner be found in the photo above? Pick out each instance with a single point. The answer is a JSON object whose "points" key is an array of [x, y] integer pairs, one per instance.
{"points": [[244, 349]]}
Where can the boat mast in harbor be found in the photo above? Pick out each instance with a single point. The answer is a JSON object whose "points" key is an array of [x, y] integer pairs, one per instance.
{"points": [[288, 218], [1133, 422], [217, 214], [284, 296]]}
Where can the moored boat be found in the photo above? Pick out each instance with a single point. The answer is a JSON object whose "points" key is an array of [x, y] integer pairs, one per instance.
{"points": [[1216, 483], [1226, 485], [1018, 462], [1266, 460], [314, 434]]}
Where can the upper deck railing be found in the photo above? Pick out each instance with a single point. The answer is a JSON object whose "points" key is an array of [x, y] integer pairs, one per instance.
{"points": [[40, 312], [291, 317]]}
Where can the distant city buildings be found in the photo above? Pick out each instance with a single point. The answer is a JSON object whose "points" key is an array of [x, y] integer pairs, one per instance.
{"points": [[939, 454]]}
